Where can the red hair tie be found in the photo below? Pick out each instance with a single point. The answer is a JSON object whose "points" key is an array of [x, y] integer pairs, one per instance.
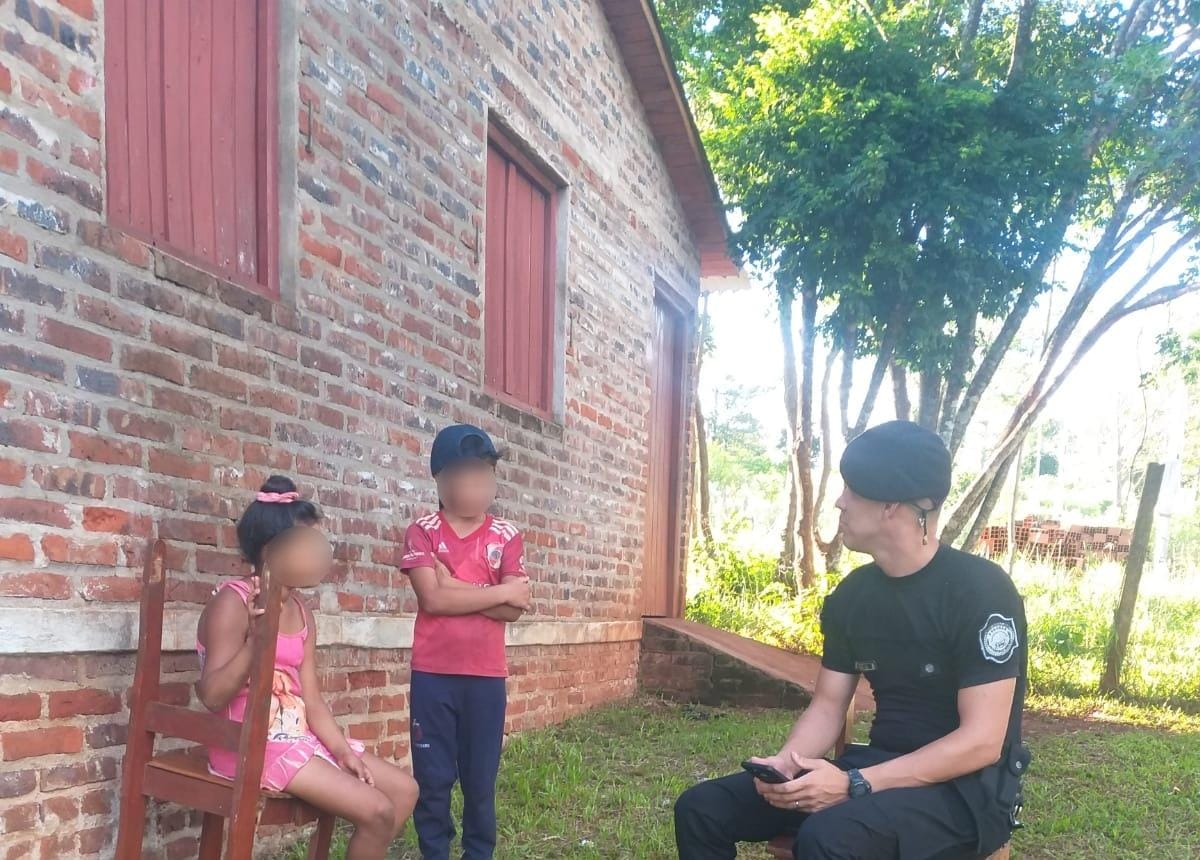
{"points": [[278, 498]]}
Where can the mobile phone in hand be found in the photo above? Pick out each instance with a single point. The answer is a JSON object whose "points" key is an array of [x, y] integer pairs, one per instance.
{"points": [[765, 772]]}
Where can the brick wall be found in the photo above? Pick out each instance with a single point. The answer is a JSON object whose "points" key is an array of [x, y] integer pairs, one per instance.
{"points": [[63, 732], [139, 394]]}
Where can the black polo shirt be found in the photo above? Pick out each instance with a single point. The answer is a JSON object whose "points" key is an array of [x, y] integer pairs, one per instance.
{"points": [[919, 639]]}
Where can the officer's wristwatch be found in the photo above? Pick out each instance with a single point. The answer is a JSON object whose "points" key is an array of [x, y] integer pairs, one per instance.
{"points": [[859, 787]]}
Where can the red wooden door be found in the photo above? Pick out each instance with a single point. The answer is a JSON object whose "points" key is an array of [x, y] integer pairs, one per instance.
{"points": [[661, 574]]}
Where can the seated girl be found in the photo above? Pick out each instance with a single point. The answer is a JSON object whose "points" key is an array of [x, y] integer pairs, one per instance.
{"points": [[307, 755]]}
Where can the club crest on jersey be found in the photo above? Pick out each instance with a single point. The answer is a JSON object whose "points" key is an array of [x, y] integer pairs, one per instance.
{"points": [[495, 552], [998, 638]]}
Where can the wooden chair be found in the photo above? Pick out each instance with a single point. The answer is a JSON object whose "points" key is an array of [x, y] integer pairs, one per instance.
{"points": [[781, 846], [183, 777]]}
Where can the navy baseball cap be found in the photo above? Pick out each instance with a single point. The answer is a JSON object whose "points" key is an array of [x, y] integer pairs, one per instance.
{"points": [[898, 461], [460, 442]]}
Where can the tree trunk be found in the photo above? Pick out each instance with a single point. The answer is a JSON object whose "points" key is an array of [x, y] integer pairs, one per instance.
{"points": [[930, 402], [702, 481], [786, 569], [1134, 23], [849, 347], [878, 372], [832, 551], [1035, 400], [1119, 472], [961, 357], [970, 28], [1023, 36], [787, 557], [806, 540], [900, 392], [826, 431], [1012, 515], [1177, 421], [981, 380], [1123, 618], [964, 411], [986, 508], [832, 548], [1095, 275], [703, 496]]}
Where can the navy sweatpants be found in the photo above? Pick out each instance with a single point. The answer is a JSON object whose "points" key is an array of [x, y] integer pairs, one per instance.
{"points": [[932, 822], [456, 733]]}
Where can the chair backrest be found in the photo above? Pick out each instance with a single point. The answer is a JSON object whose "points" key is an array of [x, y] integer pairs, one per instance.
{"points": [[252, 745], [147, 710]]}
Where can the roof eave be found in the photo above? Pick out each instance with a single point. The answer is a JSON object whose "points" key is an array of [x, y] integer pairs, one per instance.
{"points": [[644, 50]]}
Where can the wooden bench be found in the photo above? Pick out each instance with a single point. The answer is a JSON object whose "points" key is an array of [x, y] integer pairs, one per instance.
{"points": [[781, 846], [183, 777]]}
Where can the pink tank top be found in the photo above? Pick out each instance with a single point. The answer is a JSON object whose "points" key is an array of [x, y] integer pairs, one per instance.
{"points": [[287, 723]]}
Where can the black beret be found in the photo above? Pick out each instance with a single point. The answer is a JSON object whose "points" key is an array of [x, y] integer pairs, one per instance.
{"points": [[898, 461]]}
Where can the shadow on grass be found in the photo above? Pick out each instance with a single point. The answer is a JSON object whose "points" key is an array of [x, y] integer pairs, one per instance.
{"points": [[602, 785]]}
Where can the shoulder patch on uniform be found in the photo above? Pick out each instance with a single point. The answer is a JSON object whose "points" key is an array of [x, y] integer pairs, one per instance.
{"points": [[998, 638]]}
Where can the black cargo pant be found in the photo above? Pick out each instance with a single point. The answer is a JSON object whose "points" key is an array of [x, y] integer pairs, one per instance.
{"points": [[901, 824]]}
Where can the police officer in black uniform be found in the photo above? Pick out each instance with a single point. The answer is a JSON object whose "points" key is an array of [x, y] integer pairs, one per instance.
{"points": [[940, 636]]}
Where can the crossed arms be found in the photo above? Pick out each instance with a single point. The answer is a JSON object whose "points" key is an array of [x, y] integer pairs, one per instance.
{"points": [[439, 593]]}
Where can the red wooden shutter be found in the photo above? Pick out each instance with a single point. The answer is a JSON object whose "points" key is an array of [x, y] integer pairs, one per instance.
{"points": [[519, 281], [192, 131]]}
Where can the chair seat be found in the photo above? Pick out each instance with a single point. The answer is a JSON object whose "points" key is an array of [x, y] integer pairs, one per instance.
{"points": [[232, 809], [278, 807], [194, 764], [781, 847]]}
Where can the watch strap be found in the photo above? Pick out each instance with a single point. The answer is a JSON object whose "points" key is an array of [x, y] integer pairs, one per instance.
{"points": [[859, 787]]}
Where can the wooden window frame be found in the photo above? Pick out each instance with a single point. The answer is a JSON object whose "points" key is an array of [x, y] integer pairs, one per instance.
{"points": [[267, 162], [544, 179]]}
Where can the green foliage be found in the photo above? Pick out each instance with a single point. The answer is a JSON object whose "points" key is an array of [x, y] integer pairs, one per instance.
{"points": [[737, 434], [1179, 356], [1070, 617], [1180, 353], [741, 592], [919, 189], [870, 167], [746, 478], [1069, 620], [1046, 464], [1183, 550]]}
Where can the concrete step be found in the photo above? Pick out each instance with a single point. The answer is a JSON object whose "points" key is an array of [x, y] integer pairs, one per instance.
{"points": [[686, 661]]}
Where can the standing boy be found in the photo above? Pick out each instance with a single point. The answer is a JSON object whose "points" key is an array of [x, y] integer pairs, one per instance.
{"points": [[467, 570]]}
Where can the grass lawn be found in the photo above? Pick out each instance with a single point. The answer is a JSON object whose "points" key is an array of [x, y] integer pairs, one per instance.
{"points": [[1107, 781]]}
